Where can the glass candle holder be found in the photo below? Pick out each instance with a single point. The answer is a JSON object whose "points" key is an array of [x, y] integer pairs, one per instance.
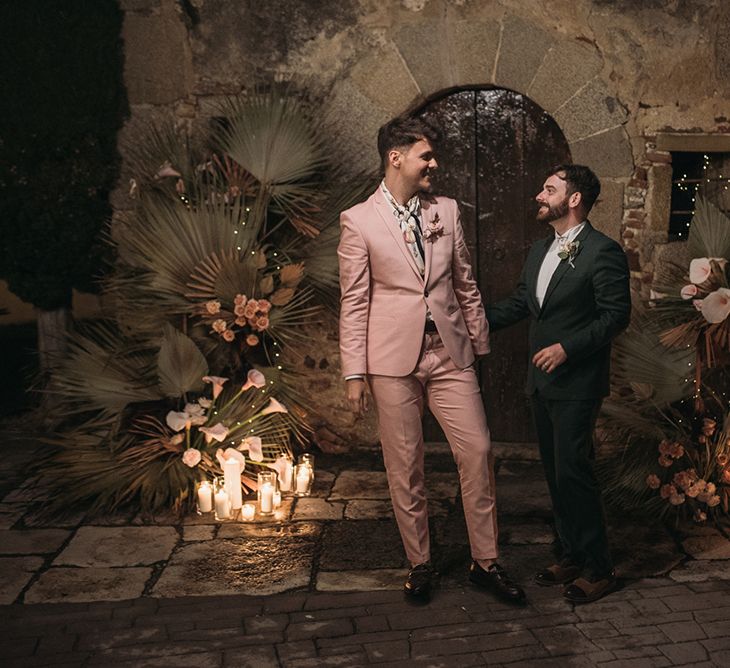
{"points": [[307, 458], [266, 491], [303, 479], [204, 497], [286, 475], [248, 512], [221, 500]]}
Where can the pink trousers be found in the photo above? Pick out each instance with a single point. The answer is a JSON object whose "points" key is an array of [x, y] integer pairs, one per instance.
{"points": [[453, 396]]}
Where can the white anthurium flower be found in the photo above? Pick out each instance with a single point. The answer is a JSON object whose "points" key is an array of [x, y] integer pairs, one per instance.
{"points": [[218, 432], [229, 453], [177, 420], [217, 383], [274, 407], [205, 403], [254, 379], [699, 270], [716, 306], [253, 445]]}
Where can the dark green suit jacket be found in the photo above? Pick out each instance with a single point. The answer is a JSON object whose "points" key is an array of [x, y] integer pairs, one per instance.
{"points": [[584, 308]]}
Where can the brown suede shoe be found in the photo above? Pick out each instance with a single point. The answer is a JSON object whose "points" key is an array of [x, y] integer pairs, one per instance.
{"points": [[585, 590], [557, 574]]}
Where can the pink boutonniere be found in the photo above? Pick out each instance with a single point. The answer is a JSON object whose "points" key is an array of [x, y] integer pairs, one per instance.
{"points": [[433, 228]]}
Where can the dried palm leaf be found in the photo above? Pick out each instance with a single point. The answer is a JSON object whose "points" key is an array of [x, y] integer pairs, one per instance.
{"points": [[709, 233], [180, 364]]}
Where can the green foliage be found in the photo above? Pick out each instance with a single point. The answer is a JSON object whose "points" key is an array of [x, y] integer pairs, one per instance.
{"points": [[62, 105]]}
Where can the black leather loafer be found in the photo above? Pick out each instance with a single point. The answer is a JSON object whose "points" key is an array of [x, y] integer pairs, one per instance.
{"points": [[496, 580], [418, 584]]}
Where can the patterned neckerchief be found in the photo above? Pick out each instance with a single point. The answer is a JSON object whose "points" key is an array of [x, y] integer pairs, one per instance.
{"points": [[408, 217]]}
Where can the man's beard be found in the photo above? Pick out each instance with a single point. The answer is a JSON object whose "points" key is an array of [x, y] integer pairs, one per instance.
{"points": [[553, 212]]}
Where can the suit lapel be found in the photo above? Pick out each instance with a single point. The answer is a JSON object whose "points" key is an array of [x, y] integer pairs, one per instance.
{"points": [[391, 224], [564, 265], [428, 211]]}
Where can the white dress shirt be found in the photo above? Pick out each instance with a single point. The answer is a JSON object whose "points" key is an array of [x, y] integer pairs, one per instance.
{"points": [[551, 261]]}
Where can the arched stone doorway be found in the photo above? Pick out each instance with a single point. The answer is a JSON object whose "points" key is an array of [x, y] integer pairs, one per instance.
{"points": [[497, 146]]}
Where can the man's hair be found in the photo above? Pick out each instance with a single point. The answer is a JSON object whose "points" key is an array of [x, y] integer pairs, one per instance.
{"points": [[404, 131], [579, 179]]}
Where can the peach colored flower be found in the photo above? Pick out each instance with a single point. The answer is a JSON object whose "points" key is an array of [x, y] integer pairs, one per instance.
{"points": [[667, 490], [228, 335], [177, 439], [264, 305], [653, 481], [700, 516], [240, 300], [254, 378], [239, 310], [217, 383], [217, 432], [219, 325], [665, 461], [213, 306], [262, 324], [282, 296], [676, 499], [252, 340], [676, 450], [696, 488], [683, 479], [274, 407], [713, 501], [251, 308], [722, 459], [665, 447], [726, 476], [191, 457], [689, 291], [240, 321], [716, 306]]}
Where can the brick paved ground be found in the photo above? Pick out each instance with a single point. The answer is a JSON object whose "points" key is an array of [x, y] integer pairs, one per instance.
{"points": [[652, 622]]}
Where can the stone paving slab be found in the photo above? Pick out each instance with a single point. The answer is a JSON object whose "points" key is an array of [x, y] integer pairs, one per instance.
{"points": [[33, 541], [362, 580], [118, 546], [15, 574], [73, 585]]}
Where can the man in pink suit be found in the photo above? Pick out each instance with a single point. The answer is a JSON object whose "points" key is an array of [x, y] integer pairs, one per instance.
{"points": [[411, 325]]}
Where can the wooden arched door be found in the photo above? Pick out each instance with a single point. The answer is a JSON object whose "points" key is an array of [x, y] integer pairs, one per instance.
{"points": [[496, 149]]}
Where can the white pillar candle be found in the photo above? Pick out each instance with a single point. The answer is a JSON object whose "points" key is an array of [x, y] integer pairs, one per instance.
{"points": [[232, 475], [222, 505], [304, 476], [247, 512], [267, 497], [205, 497]]}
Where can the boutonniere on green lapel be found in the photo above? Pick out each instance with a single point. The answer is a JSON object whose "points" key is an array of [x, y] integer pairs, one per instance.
{"points": [[433, 228], [568, 251]]}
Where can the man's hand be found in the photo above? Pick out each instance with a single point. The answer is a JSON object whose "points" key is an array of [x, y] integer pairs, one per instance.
{"points": [[357, 398], [550, 358]]}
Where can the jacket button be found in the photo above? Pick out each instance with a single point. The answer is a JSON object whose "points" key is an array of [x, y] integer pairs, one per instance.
{"points": [[425, 293]]}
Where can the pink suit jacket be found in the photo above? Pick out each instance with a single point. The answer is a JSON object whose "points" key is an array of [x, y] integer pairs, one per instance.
{"points": [[384, 299]]}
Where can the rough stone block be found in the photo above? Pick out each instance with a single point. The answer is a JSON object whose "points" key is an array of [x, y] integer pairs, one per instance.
{"points": [[318, 509], [607, 153], [32, 541], [386, 65], [77, 585], [702, 571], [15, 573], [198, 532], [308, 530], [363, 509], [590, 111], [424, 47], [256, 566], [361, 580], [684, 653], [659, 196], [567, 66], [158, 63], [517, 65], [361, 485], [473, 51], [118, 546], [708, 546], [607, 213]]}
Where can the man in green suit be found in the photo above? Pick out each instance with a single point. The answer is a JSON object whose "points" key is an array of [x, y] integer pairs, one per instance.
{"points": [[574, 288]]}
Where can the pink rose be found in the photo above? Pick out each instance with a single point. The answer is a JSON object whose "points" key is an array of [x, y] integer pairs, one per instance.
{"points": [[667, 490], [213, 306], [264, 305], [240, 300], [240, 321], [228, 335], [239, 310], [676, 499], [252, 340], [219, 326], [665, 461], [665, 447], [676, 450], [191, 457], [262, 324], [722, 459]]}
